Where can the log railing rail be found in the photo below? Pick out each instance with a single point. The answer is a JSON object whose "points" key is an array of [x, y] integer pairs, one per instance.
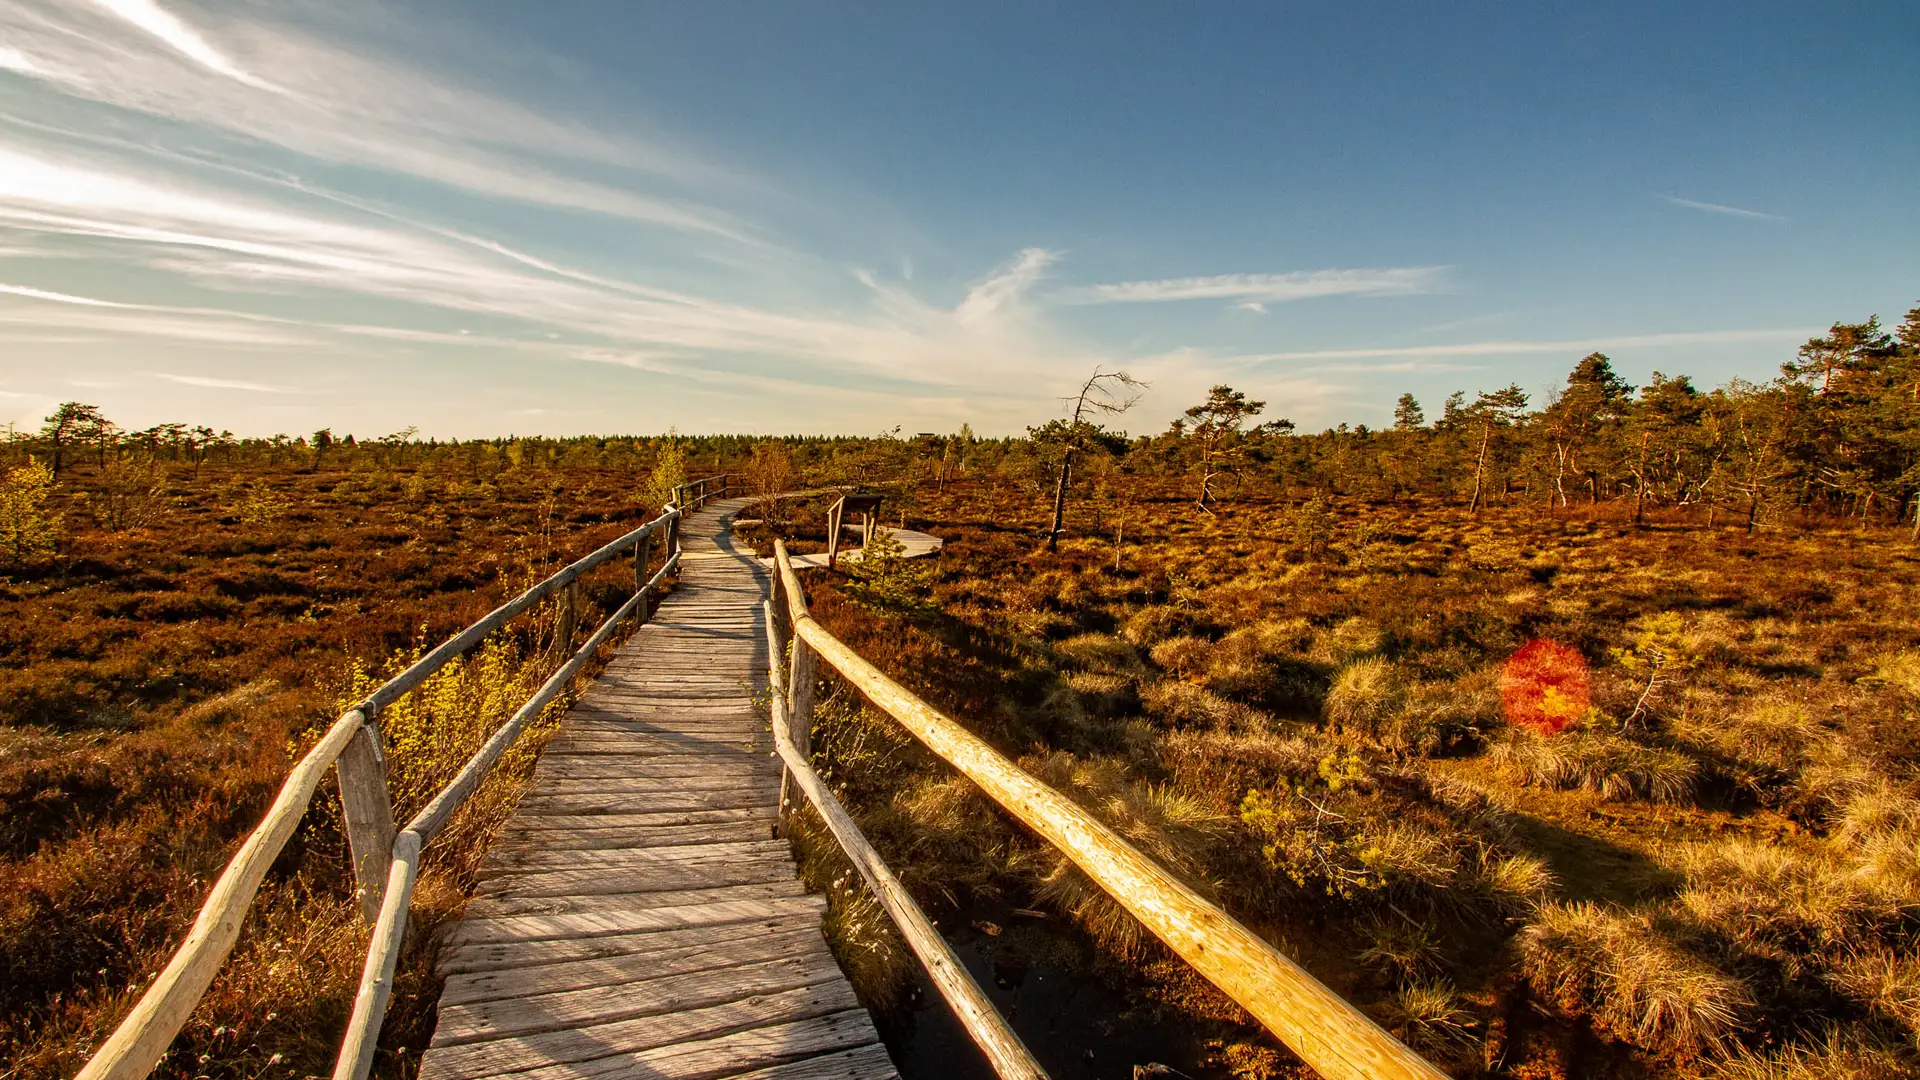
{"points": [[1005, 1052], [385, 862], [1332, 1036]]}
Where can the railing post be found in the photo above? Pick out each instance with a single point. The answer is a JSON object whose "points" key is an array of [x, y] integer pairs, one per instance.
{"points": [[834, 514], [800, 678], [368, 810], [566, 620], [777, 683], [642, 555]]}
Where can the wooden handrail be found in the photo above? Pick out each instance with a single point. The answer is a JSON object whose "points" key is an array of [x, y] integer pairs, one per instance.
{"points": [[1005, 1052], [140, 1041], [137, 1045], [1326, 1031]]}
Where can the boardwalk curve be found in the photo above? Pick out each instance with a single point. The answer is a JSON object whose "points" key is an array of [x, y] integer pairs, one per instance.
{"points": [[636, 918]]}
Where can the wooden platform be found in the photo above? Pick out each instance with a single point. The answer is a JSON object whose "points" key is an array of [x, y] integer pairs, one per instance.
{"points": [[636, 918], [913, 544]]}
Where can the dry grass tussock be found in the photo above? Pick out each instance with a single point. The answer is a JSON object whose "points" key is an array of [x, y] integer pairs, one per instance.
{"points": [[1631, 978], [1834, 1055], [1615, 766]]}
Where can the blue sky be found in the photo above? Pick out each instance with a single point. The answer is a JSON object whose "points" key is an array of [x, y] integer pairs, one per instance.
{"points": [[487, 216]]}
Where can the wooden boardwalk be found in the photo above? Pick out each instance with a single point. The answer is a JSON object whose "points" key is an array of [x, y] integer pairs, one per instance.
{"points": [[636, 918]]}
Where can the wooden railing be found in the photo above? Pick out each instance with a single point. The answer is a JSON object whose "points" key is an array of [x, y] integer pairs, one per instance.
{"points": [[1328, 1033], [385, 862]]}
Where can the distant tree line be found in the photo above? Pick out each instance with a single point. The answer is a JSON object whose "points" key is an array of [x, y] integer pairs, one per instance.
{"points": [[1836, 433]]}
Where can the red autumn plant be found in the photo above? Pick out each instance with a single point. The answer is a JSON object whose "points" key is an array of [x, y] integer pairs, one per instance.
{"points": [[1544, 687]]}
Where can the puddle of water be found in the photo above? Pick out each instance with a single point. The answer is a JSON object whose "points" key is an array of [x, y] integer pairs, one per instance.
{"points": [[1078, 1028]]}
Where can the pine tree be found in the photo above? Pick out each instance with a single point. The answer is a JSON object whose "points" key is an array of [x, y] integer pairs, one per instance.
{"points": [[1498, 410], [1215, 426], [1407, 415]]}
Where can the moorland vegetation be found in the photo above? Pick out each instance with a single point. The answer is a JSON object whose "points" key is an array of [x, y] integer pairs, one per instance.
{"points": [[1283, 663]]}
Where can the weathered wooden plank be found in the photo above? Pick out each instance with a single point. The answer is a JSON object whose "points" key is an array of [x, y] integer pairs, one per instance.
{"points": [[642, 802], [728, 1055], [655, 819], [758, 849], [587, 924], [663, 878], [522, 954], [719, 743], [565, 766], [868, 1062], [572, 787], [713, 952], [579, 1008], [498, 1056]]}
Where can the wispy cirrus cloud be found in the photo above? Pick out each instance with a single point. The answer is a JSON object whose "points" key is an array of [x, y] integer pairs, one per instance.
{"points": [[1262, 289], [49, 295], [181, 38], [1721, 208], [1001, 291], [192, 179], [353, 104], [208, 382], [1679, 339]]}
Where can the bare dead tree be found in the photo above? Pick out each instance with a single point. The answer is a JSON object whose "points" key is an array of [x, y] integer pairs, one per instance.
{"points": [[1104, 393]]}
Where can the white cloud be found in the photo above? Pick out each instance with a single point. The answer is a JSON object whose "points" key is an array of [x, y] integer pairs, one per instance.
{"points": [[12, 59], [212, 383], [183, 39], [1001, 292], [1268, 288], [53, 297], [1720, 208]]}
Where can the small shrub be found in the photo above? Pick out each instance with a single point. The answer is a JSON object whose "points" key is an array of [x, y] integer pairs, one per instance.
{"points": [[1312, 527], [432, 731], [669, 473], [261, 505], [1660, 650], [28, 531], [129, 493], [886, 580]]}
